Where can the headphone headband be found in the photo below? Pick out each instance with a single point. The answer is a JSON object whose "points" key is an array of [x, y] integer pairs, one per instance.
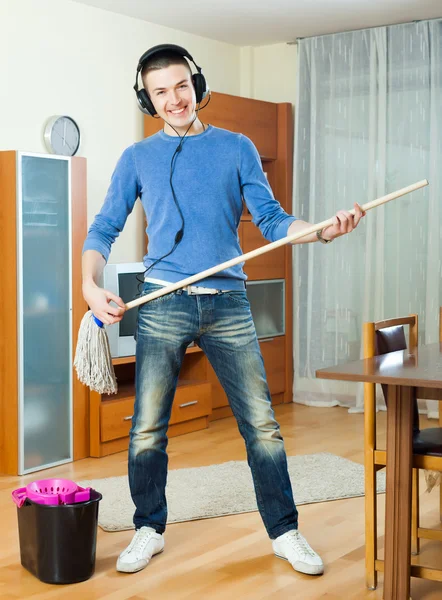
{"points": [[199, 82], [163, 48]]}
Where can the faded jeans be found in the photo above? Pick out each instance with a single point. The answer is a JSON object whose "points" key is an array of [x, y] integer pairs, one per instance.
{"points": [[222, 325]]}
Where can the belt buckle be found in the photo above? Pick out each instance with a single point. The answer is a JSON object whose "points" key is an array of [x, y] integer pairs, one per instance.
{"points": [[194, 290]]}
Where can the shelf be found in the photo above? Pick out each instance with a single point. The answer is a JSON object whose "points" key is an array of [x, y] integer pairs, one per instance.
{"points": [[125, 360]]}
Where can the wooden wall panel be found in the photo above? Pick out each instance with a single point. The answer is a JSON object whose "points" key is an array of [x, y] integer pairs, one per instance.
{"points": [[284, 193], [254, 118], [283, 189], [273, 354], [79, 306], [266, 266], [8, 316], [289, 309]]}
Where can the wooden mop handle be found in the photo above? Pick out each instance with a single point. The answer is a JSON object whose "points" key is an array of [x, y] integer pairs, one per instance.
{"points": [[268, 247]]}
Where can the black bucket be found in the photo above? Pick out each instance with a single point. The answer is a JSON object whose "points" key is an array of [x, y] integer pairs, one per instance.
{"points": [[58, 542]]}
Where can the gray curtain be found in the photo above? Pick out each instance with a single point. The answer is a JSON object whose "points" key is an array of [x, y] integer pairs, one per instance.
{"points": [[368, 122]]}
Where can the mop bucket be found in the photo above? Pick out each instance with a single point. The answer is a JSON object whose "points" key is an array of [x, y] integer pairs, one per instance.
{"points": [[51, 491], [57, 530]]}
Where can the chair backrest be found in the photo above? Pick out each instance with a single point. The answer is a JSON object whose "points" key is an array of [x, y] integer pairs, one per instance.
{"points": [[386, 336], [390, 339]]}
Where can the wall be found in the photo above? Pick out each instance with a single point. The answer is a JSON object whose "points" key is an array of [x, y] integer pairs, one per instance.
{"points": [[60, 57], [269, 72]]}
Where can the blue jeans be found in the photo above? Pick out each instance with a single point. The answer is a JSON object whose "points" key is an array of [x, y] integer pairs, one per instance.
{"points": [[222, 326]]}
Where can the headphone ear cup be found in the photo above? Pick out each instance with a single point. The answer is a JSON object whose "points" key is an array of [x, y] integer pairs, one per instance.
{"points": [[145, 103], [199, 83]]}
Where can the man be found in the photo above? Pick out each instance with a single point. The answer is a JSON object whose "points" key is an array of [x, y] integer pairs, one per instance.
{"points": [[191, 179]]}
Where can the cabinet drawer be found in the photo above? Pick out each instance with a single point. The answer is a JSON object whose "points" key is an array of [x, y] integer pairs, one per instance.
{"points": [[116, 418], [273, 354], [191, 402]]}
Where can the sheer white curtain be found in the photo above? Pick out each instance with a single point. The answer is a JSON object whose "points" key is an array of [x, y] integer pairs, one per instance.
{"points": [[369, 121]]}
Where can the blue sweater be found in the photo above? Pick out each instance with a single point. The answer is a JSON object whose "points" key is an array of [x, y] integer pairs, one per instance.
{"points": [[212, 173]]}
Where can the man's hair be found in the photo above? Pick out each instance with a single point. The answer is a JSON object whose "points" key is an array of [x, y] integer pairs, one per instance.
{"points": [[162, 60]]}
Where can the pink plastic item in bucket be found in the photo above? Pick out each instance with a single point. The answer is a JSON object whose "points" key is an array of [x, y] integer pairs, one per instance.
{"points": [[51, 491]]}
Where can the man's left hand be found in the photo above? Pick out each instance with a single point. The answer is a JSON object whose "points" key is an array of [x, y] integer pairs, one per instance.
{"points": [[343, 222]]}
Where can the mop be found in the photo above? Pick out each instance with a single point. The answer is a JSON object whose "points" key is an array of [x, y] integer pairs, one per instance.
{"points": [[93, 360]]}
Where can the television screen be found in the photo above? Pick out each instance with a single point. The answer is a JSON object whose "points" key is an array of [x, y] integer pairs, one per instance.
{"points": [[130, 287]]}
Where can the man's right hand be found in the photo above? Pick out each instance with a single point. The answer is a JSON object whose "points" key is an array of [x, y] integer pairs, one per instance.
{"points": [[99, 300]]}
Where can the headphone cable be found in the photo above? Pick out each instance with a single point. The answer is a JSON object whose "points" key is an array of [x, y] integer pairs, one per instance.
{"points": [[180, 234]]}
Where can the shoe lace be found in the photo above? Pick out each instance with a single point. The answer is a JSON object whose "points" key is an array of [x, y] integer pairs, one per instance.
{"points": [[139, 541], [300, 544]]}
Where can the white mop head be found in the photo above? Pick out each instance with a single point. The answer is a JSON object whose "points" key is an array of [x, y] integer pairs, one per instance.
{"points": [[93, 360]]}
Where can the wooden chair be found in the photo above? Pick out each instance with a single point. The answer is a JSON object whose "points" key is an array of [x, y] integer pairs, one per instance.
{"points": [[379, 338]]}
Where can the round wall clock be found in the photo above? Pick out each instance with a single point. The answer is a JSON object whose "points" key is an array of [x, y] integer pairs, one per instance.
{"points": [[62, 135]]}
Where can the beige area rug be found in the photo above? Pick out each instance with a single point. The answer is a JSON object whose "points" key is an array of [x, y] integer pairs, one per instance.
{"points": [[227, 489]]}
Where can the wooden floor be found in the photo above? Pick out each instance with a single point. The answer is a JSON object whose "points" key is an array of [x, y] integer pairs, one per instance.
{"points": [[229, 557]]}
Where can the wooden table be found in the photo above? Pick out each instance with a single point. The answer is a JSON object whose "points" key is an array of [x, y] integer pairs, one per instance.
{"points": [[401, 371]]}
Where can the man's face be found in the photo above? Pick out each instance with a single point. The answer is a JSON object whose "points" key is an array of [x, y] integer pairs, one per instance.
{"points": [[172, 94]]}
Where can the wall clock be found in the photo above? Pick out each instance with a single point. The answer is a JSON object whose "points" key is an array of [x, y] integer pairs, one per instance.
{"points": [[62, 135]]}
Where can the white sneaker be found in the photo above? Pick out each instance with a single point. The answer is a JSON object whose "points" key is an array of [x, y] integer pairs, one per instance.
{"points": [[145, 544], [293, 546]]}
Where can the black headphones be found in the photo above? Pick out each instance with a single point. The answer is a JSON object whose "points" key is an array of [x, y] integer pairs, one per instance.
{"points": [[198, 79]]}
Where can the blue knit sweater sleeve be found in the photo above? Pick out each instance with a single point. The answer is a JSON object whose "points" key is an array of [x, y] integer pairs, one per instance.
{"points": [[266, 212], [120, 199]]}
